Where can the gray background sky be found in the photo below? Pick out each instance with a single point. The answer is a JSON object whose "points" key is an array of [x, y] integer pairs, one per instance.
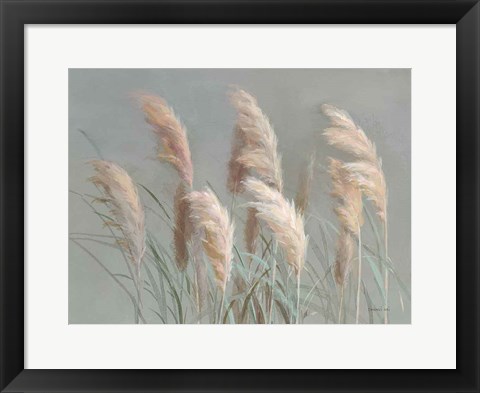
{"points": [[100, 103]]}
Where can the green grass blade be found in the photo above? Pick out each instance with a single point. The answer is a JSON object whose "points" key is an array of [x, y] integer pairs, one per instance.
{"points": [[283, 311], [249, 295], [92, 143], [227, 311], [158, 315], [152, 195], [377, 275], [124, 288]]}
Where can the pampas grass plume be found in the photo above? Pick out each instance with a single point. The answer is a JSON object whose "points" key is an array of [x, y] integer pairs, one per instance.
{"points": [[212, 225], [182, 230], [121, 195], [344, 256], [349, 196], [367, 170], [236, 171], [252, 230], [305, 186], [172, 136], [345, 135], [255, 143], [282, 219]]}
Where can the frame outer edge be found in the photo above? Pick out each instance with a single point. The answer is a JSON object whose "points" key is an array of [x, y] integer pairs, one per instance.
{"points": [[468, 192], [12, 193]]}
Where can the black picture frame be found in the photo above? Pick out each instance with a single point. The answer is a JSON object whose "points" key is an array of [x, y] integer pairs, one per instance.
{"points": [[15, 14]]}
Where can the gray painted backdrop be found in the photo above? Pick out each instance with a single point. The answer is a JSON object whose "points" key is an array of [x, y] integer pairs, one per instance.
{"points": [[101, 104]]}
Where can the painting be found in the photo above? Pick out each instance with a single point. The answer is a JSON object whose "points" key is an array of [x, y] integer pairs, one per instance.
{"points": [[239, 196]]}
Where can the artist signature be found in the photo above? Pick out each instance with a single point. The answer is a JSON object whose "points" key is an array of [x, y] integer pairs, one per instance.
{"points": [[379, 309]]}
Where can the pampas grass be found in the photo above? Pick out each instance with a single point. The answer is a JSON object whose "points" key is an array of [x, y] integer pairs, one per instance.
{"points": [[348, 195], [174, 149], [121, 196], [343, 264], [345, 135], [255, 143], [172, 135], [366, 171], [254, 151], [237, 172], [212, 222], [252, 230], [285, 223], [215, 231], [349, 213], [371, 180], [182, 230], [343, 258], [264, 292], [305, 185]]}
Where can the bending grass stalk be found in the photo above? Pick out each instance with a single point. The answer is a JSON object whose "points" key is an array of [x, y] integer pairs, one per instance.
{"points": [[274, 268], [359, 272], [138, 314], [232, 206], [132, 298], [139, 287], [298, 298], [221, 307], [340, 307], [385, 235], [197, 297]]}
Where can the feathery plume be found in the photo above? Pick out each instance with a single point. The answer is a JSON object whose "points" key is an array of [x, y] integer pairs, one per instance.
{"points": [[282, 219], [349, 196], [371, 180], [252, 229], [121, 195], [172, 136], [344, 256], [367, 171], [213, 227], [255, 142], [345, 135], [305, 186], [200, 270], [182, 231], [236, 171]]}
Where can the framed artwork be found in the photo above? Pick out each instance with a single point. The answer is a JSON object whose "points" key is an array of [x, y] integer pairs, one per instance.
{"points": [[190, 264], [178, 176]]}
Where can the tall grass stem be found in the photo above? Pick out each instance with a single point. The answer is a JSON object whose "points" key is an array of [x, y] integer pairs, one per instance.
{"points": [[340, 307], [274, 268], [220, 319], [385, 235], [298, 298], [359, 273]]}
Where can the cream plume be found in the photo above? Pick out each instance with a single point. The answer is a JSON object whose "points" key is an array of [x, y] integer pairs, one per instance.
{"points": [[367, 171], [236, 171], [212, 225], [252, 229], [305, 186], [282, 219], [371, 180], [348, 195], [121, 195], [255, 143], [344, 256], [182, 231], [172, 136], [345, 135]]}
